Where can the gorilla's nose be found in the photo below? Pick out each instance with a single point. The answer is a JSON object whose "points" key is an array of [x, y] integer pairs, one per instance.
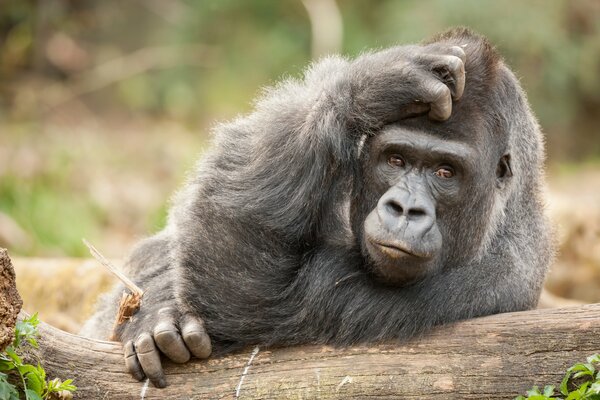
{"points": [[397, 209], [402, 208]]}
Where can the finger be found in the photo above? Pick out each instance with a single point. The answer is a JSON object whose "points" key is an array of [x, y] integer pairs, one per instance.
{"points": [[131, 361], [413, 109], [450, 70], [169, 341], [437, 95], [445, 49], [149, 359], [458, 51], [441, 107], [195, 336], [456, 66]]}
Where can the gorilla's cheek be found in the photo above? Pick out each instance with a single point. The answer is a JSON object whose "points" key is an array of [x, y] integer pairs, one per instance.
{"points": [[404, 255]]}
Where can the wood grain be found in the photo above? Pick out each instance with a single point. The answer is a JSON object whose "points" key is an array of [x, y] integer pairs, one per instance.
{"points": [[495, 357]]}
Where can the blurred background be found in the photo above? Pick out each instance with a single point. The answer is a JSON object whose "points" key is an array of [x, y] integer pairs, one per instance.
{"points": [[104, 106]]}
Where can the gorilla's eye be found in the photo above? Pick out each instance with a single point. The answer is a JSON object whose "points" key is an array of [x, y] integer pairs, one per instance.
{"points": [[396, 161], [444, 172]]}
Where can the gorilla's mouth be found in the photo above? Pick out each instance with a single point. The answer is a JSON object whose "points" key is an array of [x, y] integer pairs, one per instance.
{"points": [[394, 250]]}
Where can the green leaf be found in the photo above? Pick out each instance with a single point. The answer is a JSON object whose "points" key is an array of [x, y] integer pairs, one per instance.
{"points": [[564, 384], [583, 373], [6, 365], [7, 390], [41, 372], [549, 390], [35, 382], [56, 385], [26, 368], [534, 391], [574, 395], [595, 388], [26, 330], [593, 359], [68, 385], [580, 367], [13, 355], [33, 342], [31, 395]]}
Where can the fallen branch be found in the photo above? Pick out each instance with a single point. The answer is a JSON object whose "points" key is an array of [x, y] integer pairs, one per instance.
{"points": [[493, 357]]}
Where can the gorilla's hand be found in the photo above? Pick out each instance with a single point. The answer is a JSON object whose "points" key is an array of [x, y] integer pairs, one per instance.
{"points": [[176, 335], [405, 81]]}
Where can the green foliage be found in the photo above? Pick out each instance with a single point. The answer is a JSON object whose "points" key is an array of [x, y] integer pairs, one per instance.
{"points": [[31, 379], [582, 381], [74, 170]]}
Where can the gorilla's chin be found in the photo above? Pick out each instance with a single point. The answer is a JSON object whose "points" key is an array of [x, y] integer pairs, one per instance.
{"points": [[397, 265]]}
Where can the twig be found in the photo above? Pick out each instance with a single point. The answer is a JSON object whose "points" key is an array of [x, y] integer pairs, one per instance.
{"points": [[135, 289], [130, 302]]}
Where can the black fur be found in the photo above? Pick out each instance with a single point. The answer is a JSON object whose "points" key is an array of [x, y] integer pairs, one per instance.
{"points": [[264, 242]]}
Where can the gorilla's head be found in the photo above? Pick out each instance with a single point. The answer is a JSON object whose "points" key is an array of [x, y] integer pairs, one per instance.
{"points": [[431, 195]]}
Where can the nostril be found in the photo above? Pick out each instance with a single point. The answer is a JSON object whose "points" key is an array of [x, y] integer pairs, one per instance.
{"points": [[395, 208], [416, 213]]}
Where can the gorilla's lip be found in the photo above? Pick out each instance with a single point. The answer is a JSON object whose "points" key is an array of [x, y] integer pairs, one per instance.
{"points": [[395, 250]]}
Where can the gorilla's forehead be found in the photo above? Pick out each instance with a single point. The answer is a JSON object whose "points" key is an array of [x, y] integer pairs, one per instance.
{"points": [[419, 138], [465, 124]]}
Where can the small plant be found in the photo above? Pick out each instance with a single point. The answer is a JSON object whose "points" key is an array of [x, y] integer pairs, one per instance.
{"points": [[582, 381], [31, 383]]}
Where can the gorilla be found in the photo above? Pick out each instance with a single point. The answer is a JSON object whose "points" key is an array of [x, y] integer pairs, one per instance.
{"points": [[371, 200]]}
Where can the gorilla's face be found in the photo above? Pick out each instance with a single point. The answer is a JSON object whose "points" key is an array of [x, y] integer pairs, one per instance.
{"points": [[423, 184]]}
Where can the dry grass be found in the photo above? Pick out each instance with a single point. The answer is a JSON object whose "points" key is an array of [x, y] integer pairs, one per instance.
{"points": [[62, 290], [574, 203]]}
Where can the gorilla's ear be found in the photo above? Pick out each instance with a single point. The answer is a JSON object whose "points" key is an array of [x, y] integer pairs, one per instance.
{"points": [[503, 170]]}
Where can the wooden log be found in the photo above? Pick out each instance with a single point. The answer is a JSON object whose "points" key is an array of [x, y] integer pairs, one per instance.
{"points": [[495, 357]]}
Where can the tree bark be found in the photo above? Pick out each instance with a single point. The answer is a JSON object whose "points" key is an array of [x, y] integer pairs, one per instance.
{"points": [[496, 357], [10, 301]]}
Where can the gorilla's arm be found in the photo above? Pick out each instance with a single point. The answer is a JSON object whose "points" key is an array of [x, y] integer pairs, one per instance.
{"points": [[278, 167], [346, 307], [269, 189]]}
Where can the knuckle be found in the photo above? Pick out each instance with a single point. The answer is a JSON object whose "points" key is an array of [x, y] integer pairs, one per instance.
{"points": [[441, 92], [144, 343], [199, 343], [166, 310], [455, 63], [458, 52], [178, 354], [164, 327], [191, 322], [166, 336], [194, 336], [132, 364], [128, 349]]}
